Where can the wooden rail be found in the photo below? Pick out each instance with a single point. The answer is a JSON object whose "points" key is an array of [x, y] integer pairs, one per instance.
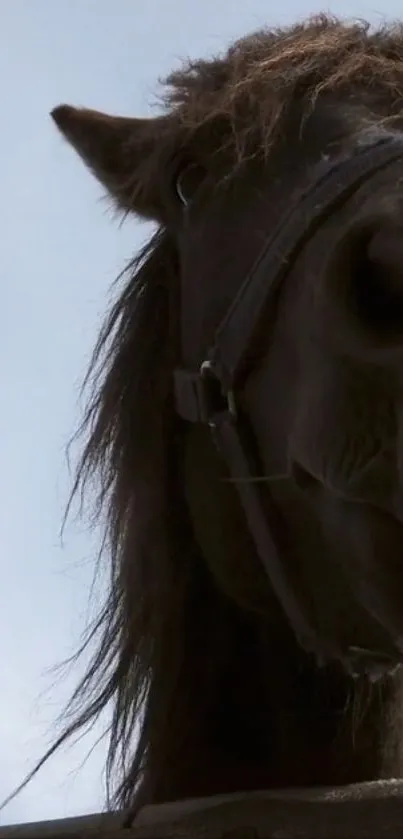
{"points": [[363, 811]]}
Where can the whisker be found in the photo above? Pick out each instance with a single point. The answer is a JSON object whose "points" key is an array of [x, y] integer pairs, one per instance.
{"points": [[256, 479]]}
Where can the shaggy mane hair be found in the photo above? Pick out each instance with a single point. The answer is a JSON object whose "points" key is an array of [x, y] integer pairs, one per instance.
{"points": [[163, 616], [241, 104]]}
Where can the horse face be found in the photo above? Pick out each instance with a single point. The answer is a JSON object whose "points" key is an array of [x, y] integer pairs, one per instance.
{"points": [[323, 397]]}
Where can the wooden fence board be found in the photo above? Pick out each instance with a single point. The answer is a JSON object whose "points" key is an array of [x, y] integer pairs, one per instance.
{"points": [[362, 811]]}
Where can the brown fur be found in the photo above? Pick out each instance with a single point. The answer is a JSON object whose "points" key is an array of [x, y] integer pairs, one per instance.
{"points": [[220, 700]]}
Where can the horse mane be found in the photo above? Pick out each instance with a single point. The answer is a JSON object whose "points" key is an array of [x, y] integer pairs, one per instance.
{"points": [[240, 104], [130, 456], [162, 604]]}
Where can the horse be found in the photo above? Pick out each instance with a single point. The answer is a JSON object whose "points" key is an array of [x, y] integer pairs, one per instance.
{"points": [[245, 424]]}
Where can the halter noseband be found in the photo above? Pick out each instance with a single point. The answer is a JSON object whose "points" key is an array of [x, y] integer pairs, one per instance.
{"points": [[209, 395]]}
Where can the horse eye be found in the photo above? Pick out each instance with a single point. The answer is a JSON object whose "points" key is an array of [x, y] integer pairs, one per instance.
{"points": [[188, 181]]}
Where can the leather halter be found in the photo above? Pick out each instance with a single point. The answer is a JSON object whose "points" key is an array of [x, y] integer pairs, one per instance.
{"points": [[208, 396]]}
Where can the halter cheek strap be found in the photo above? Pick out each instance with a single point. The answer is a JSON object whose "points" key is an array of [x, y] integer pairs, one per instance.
{"points": [[208, 396]]}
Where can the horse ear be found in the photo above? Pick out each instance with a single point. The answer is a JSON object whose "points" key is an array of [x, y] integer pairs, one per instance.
{"points": [[120, 152]]}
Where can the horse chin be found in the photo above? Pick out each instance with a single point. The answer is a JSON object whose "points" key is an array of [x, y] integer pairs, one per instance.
{"points": [[372, 561], [347, 556]]}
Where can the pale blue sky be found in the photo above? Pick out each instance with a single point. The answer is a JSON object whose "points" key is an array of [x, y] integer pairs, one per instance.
{"points": [[60, 251]]}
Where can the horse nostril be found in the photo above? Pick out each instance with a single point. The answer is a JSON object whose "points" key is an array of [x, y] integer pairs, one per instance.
{"points": [[367, 274], [377, 286], [302, 478], [363, 293]]}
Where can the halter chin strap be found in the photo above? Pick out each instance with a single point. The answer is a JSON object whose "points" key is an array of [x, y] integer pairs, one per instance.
{"points": [[209, 395]]}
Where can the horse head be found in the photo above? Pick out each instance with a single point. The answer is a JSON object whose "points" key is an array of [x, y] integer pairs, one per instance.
{"points": [[254, 498]]}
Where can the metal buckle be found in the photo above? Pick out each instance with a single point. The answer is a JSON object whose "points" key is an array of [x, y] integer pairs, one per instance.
{"points": [[213, 400]]}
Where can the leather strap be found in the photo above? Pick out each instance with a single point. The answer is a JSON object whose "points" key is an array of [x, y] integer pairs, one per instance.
{"points": [[228, 441]]}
